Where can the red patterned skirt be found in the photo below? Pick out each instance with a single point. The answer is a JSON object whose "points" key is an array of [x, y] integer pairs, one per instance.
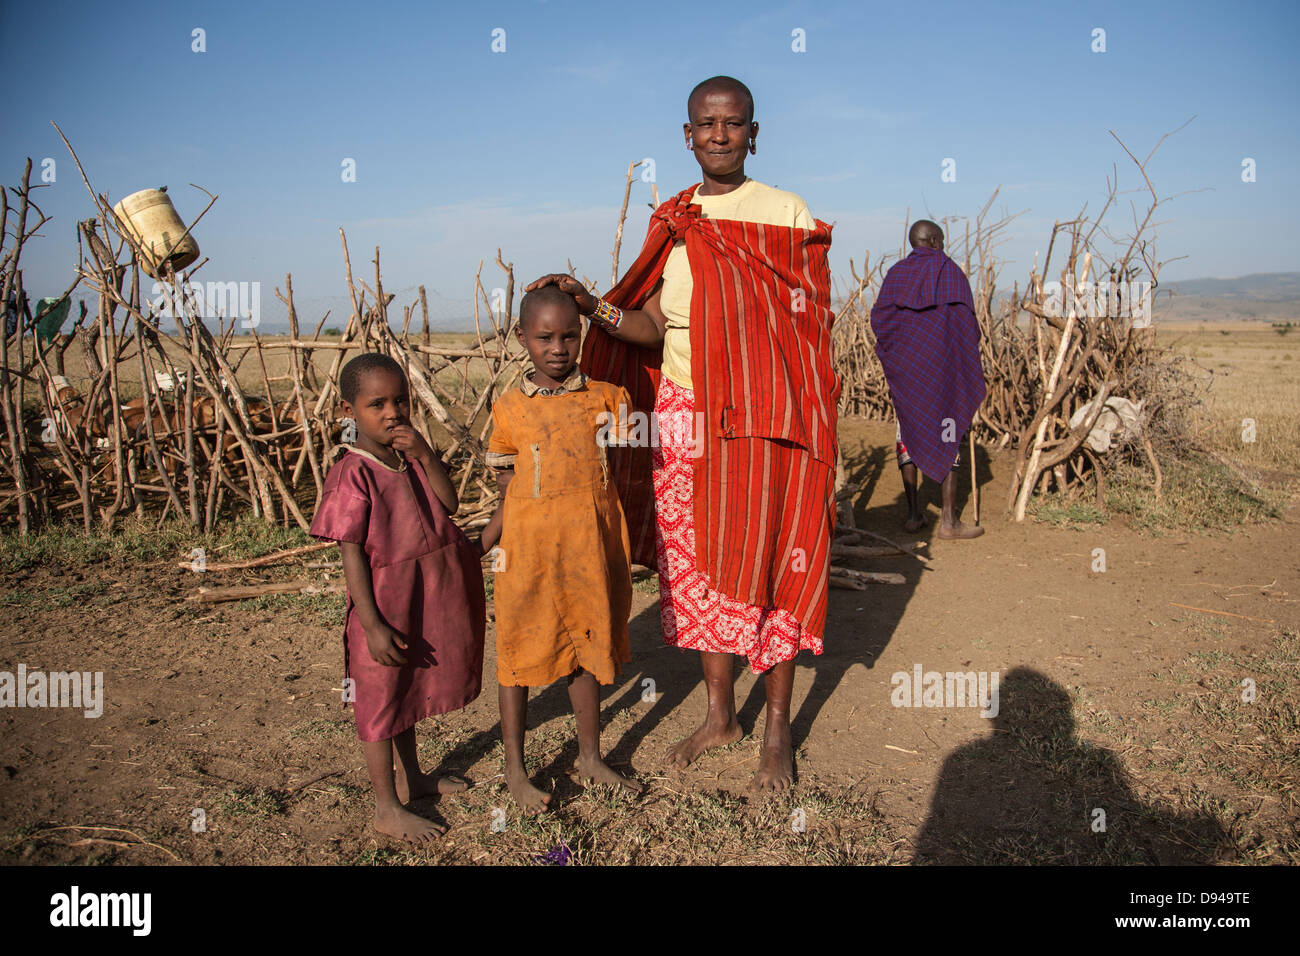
{"points": [[696, 616]]}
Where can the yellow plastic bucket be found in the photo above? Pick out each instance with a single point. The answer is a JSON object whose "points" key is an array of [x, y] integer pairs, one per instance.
{"points": [[152, 221]]}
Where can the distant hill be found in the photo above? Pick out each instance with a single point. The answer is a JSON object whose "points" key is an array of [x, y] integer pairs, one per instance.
{"points": [[1258, 287], [1261, 297]]}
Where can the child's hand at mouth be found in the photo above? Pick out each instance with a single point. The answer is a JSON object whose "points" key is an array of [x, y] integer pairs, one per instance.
{"points": [[410, 443]]}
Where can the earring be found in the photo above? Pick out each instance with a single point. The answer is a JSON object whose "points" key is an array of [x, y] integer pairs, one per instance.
{"points": [[753, 147], [690, 147]]}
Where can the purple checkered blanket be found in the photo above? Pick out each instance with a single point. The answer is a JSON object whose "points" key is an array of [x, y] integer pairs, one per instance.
{"points": [[927, 339]]}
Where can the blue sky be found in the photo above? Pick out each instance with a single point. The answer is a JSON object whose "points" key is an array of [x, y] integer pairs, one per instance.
{"points": [[460, 150]]}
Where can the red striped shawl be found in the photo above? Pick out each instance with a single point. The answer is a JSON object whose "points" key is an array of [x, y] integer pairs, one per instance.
{"points": [[764, 378]]}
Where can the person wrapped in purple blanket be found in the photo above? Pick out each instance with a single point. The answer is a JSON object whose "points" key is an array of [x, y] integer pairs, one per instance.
{"points": [[927, 338]]}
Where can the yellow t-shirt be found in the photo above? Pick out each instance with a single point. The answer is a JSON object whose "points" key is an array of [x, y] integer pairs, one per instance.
{"points": [[752, 201]]}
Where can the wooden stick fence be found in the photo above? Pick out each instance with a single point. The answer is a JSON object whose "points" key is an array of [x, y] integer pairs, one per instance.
{"points": [[161, 423]]}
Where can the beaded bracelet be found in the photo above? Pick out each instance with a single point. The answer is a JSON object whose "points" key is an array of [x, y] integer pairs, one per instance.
{"points": [[607, 314]]}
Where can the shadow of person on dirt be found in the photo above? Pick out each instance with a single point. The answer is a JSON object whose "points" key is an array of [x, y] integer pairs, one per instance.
{"points": [[1034, 793]]}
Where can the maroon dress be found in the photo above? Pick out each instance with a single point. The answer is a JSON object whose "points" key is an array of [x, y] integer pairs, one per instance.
{"points": [[428, 586]]}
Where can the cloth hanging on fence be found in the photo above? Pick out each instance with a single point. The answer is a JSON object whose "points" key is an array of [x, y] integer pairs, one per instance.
{"points": [[50, 315], [1120, 421], [927, 338], [15, 307]]}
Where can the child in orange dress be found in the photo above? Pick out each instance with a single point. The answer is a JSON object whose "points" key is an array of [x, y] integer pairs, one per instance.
{"points": [[563, 587]]}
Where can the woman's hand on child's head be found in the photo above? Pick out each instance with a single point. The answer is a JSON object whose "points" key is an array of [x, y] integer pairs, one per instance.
{"points": [[411, 443], [385, 646], [567, 283]]}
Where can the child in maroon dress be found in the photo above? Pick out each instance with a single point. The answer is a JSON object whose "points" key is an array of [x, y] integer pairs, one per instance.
{"points": [[415, 621]]}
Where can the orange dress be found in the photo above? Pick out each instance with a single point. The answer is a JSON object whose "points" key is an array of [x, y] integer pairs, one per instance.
{"points": [[563, 583]]}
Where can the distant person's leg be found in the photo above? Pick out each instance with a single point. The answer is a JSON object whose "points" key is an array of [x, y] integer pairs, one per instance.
{"points": [[915, 519], [949, 526]]}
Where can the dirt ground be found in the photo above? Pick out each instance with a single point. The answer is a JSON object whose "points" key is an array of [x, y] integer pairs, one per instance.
{"points": [[1122, 733]]}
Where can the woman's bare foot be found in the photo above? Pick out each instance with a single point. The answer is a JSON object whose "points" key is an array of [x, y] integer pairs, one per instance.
{"points": [[913, 525], [706, 738], [529, 798], [776, 764], [957, 530], [429, 784], [402, 823], [595, 770]]}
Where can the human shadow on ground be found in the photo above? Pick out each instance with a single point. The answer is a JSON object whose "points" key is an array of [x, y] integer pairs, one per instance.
{"points": [[1032, 792]]}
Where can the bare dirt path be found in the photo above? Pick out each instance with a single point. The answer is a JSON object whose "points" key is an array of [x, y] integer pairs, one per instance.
{"points": [[1111, 699]]}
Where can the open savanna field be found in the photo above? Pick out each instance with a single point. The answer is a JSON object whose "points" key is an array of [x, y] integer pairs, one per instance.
{"points": [[1161, 691], [1256, 378]]}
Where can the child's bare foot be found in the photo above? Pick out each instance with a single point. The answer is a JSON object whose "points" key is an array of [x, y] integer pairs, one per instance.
{"points": [[596, 770], [428, 784], [776, 764], [529, 798], [913, 525], [706, 738], [402, 823], [957, 530]]}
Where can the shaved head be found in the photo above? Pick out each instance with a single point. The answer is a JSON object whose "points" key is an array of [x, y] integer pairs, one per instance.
{"points": [[721, 84], [924, 232], [546, 295]]}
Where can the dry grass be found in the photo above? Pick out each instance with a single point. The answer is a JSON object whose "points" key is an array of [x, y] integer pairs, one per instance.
{"points": [[1256, 377], [1206, 747]]}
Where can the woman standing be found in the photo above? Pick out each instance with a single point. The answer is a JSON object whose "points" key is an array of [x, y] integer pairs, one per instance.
{"points": [[724, 320]]}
